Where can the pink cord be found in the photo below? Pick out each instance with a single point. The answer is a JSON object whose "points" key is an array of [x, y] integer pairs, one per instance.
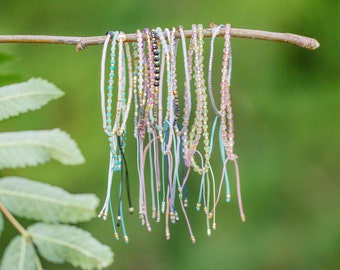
{"points": [[238, 187]]}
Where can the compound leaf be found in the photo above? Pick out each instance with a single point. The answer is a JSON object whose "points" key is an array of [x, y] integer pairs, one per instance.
{"points": [[30, 148], [19, 255], [40, 201], [64, 243], [21, 97]]}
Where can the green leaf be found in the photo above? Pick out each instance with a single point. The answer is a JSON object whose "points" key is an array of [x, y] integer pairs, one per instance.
{"points": [[1, 223], [22, 97], [30, 148], [39, 201], [19, 255], [64, 243]]}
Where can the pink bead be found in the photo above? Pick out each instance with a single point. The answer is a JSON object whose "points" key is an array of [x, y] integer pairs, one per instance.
{"points": [[224, 84]]}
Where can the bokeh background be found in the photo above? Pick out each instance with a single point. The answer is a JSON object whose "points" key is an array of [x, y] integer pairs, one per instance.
{"points": [[286, 107]]}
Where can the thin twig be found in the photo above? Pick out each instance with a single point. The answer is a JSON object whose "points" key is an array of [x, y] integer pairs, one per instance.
{"points": [[23, 232], [14, 222], [82, 42]]}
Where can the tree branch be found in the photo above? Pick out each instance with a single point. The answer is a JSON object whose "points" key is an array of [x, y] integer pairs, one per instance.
{"points": [[82, 42]]}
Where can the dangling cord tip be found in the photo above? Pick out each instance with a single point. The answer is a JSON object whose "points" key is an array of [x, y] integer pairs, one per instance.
{"points": [[102, 215], [238, 187], [193, 239], [126, 175], [126, 239]]}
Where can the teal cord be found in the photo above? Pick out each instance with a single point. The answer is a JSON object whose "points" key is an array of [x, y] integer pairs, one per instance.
{"points": [[121, 215], [206, 207], [213, 129], [223, 156], [113, 221], [199, 200]]}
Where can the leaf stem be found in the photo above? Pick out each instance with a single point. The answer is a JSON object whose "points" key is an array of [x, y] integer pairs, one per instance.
{"points": [[22, 231], [14, 222], [37, 262]]}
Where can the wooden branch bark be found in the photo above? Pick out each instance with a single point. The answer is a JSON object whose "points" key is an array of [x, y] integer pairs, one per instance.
{"points": [[82, 42]]}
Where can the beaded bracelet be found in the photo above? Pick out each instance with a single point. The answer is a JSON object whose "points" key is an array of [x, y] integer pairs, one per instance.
{"points": [[141, 90], [150, 86], [104, 212], [115, 157], [156, 69], [170, 212], [184, 132], [155, 174], [187, 108], [121, 100], [135, 90], [227, 124], [215, 31], [200, 126], [166, 61], [127, 105]]}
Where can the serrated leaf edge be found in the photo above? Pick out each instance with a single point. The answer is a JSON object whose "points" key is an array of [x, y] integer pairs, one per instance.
{"points": [[29, 142], [8, 97], [41, 198], [65, 244], [52, 95]]}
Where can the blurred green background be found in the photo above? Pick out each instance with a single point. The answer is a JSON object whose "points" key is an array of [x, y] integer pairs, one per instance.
{"points": [[286, 107]]}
